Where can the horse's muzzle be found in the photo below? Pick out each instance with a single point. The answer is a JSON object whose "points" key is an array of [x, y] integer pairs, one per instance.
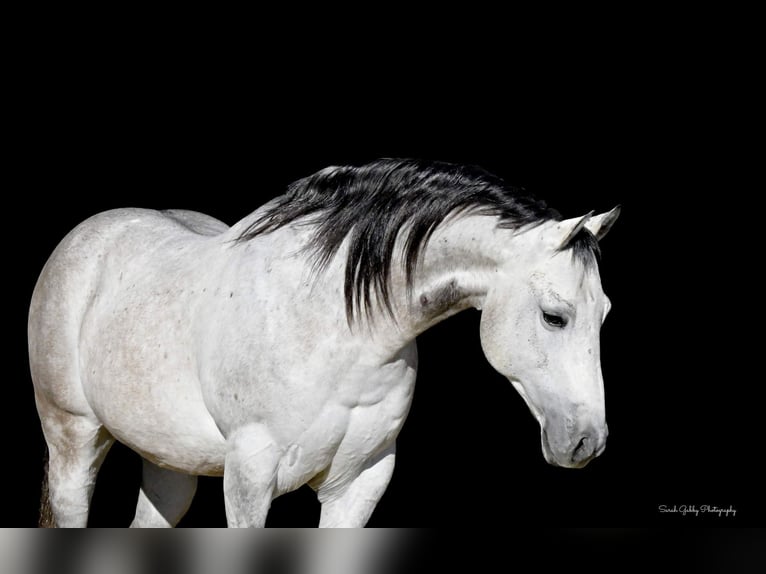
{"points": [[578, 451]]}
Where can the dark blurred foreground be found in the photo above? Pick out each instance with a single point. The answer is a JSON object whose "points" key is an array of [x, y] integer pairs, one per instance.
{"points": [[376, 551]]}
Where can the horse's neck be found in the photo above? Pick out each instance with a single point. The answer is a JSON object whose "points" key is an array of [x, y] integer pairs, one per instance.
{"points": [[455, 273]]}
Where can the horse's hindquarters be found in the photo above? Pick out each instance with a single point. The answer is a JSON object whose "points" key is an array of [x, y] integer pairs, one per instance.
{"points": [[109, 334]]}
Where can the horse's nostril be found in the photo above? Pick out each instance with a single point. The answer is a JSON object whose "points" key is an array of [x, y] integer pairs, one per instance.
{"points": [[583, 450]]}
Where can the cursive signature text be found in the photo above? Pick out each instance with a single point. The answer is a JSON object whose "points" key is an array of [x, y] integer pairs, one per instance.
{"points": [[694, 510]]}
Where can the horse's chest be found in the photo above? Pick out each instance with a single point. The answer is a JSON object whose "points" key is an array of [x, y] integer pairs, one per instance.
{"points": [[361, 417], [379, 404]]}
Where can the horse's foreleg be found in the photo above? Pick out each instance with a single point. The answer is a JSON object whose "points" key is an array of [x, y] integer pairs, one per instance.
{"points": [[250, 476], [164, 498], [352, 505]]}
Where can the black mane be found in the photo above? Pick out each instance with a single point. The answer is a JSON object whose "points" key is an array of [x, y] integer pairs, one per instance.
{"points": [[374, 202]]}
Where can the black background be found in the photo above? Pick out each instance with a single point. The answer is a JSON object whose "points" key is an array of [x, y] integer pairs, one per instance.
{"points": [[99, 133]]}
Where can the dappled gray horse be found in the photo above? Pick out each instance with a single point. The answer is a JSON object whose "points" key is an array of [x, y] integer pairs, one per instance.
{"points": [[281, 351]]}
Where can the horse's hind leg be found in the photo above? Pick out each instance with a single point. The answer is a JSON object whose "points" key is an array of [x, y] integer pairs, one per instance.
{"points": [[77, 446], [164, 498]]}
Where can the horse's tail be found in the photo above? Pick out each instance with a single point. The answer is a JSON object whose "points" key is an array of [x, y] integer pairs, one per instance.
{"points": [[47, 520]]}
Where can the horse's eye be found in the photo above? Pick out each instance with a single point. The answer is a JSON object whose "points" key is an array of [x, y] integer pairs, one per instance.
{"points": [[554, 320]]}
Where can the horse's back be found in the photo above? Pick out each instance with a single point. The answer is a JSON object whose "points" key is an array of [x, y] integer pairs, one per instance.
{"points": [[196, 222]]}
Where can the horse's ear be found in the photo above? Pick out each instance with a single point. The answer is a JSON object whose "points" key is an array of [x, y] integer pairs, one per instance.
{"points": [[568, 229], [599, 225]]}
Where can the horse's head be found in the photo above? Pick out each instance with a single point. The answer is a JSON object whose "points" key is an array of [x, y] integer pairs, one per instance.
{"points": [[540, 328]]}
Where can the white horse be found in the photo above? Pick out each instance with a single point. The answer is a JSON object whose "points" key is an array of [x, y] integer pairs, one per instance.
{"points": [[281, 351]]}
